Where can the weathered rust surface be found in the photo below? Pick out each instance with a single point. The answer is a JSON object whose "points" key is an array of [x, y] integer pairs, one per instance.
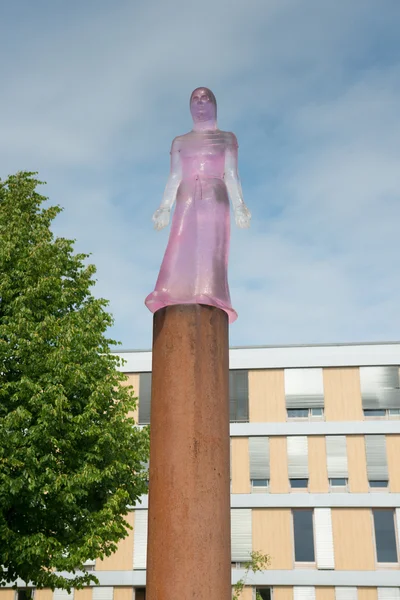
{"points": [[188, 556]]}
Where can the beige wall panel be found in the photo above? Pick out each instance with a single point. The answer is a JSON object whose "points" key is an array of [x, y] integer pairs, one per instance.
{"points": [[279, 479], [367, 593], [357, 464], [85, 594], [272, 534], [342, 394], [41, 595], [247, 594], [267, 396], [283, 593], [122, 559], [240, 466], [318, 474], [324, 593], [353, 539], [9, 594], [393, 456], [133, 380], [123, 593]]}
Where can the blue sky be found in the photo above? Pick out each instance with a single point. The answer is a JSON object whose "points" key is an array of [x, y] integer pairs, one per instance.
{"points": [[93, 92]]}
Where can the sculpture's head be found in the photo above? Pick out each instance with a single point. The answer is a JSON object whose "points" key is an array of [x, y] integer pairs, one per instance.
{"points": [[203, 105]]}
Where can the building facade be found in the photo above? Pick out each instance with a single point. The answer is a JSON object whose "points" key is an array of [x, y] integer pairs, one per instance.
{"points": [[315, 476]]}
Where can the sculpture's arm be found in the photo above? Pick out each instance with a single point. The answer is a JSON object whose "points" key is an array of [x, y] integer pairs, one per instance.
{"points": [[232, 180], [161, 216]]}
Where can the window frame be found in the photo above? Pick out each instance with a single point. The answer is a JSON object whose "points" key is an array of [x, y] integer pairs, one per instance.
{"points": [[309, 416], [257, 588], [386, 565], [338, 488], [378, 488], [254, 490], [388, 414], [298, 564], [300, 488], [25, 589], [233, 400]]}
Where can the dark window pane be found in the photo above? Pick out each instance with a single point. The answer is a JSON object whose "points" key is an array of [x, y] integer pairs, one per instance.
{"points": [[374, 483], [385, 537], [303, 535], [263, 593], [260, 482], [298, 483], [296, 413], [24, 594], [338, 481], [394, 411], [317, 412], [144, 398], [239, 396], [374, 412]]}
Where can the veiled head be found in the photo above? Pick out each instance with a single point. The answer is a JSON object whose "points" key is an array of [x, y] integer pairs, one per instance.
{"points": [[203, 105]]}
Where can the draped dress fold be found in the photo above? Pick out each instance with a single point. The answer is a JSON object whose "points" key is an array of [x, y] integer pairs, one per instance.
{"points": [[194, 269]]}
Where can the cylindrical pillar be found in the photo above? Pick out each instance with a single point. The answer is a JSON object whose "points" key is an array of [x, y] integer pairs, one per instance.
{"points": [[189, 555]]}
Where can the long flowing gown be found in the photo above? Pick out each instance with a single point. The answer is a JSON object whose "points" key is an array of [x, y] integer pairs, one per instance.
{"points": [[195, 265]]}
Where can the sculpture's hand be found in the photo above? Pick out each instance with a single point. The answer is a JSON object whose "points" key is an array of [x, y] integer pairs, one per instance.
{"points": [[161, 218], [242, 216]]}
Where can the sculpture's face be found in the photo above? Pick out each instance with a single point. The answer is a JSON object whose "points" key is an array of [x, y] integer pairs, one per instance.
{"points": [[203, 105]]}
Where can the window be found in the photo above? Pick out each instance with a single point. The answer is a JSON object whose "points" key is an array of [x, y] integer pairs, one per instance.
{"points": [[297, 413], [380, 390], [298, 483], [238, 396], [263, 594], [305, 413], [385, 535], [374, 412], [144, 398], [388, 413], [259, 464], [259, 486], [377, 469], [241, 534], [316, 412], [25, 594], [297, 450], [89, 565], [303, 535], [336, 458], [304, 393], [376, 483], [338, 484]]}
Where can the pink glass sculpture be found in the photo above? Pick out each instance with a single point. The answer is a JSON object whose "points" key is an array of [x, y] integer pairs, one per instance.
{"points": [[203, 176]]}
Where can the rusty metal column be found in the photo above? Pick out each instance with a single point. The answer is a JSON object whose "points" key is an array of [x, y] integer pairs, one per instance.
{"points": [[189, 554]]}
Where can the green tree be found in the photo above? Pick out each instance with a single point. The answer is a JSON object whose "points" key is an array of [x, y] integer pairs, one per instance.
{"points": [[70, 458], [258, 562]]}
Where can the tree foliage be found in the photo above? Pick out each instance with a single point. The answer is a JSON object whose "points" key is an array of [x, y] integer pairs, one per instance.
{"points": [[70, 458], [258, 562]]}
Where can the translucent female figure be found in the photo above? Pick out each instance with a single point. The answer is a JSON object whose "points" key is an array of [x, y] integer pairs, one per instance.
{"points": [[203, 176]]}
